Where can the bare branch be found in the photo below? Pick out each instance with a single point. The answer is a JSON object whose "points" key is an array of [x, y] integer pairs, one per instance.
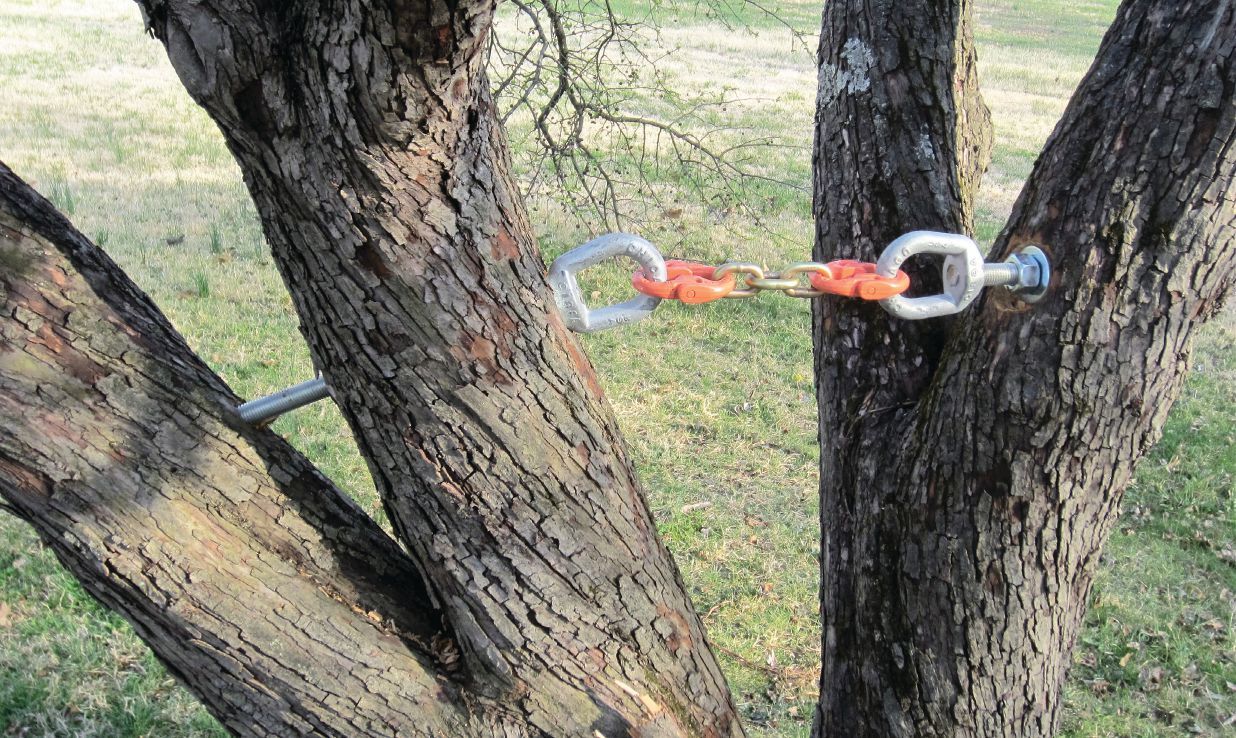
{"points": [[575, 82]]}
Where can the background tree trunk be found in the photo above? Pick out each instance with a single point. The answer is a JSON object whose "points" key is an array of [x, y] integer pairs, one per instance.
{"points": [[967, 486]]}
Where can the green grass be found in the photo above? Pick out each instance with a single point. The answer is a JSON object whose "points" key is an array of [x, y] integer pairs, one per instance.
{"points": [[1158, 656], [70, 668], [716, 402]]}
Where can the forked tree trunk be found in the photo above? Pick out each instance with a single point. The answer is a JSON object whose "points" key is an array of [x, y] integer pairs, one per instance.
{"points": [[968, 482]]}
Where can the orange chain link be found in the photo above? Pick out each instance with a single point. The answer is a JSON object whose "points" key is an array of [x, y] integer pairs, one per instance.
{"points": [[859, 279], [688, 281], [694, 283]]}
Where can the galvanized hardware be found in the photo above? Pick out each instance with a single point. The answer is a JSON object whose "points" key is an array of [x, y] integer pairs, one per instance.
{"points": [[964, 273], [1026, 273], [570, 299], [265, 409]]}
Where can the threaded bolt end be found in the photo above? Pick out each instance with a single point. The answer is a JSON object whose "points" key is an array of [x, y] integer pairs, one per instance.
{"points": [[1001, 275], [267, 408]]}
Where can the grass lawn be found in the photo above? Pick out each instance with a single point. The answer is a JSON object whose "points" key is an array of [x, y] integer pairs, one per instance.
{"points": [[716, 401]]}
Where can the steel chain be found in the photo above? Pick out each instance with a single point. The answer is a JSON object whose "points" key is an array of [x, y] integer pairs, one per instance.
{"points": [[788, 280], [1026, 273], [964, 271]]}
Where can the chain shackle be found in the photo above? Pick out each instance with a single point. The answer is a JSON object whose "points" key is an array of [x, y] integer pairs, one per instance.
{"points": [[570, 298], [688, 281], [962, 272]]}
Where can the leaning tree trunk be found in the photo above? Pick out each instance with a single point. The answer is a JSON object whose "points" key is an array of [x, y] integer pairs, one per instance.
{"points": [[259, 584], [968, 484], [369, 142]]}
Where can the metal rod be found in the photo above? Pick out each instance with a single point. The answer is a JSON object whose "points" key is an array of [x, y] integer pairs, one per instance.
{"points": [[1027, 272], [1001, 275], [268, 408]]}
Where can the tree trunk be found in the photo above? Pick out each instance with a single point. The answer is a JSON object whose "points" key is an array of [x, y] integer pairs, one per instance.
{"points": [[968, 483], [258, 583], [369, 142]]}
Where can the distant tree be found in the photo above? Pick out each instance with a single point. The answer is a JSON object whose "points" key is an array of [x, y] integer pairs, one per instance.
{"points": [[971, 468]]}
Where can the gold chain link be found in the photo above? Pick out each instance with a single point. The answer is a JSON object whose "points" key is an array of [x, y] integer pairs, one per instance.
{"points": [[806, 267], [788, 280], [753, 271]]}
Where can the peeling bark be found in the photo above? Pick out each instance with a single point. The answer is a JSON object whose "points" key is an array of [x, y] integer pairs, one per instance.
{"points": [[963, 524]]}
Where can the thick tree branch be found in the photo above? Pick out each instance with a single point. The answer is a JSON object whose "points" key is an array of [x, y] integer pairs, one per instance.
{"points": [[259, 584], [902, 137], [1135, 198]]}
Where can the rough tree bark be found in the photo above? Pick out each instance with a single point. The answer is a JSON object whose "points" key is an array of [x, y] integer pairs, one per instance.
{"points": [[243, 568], [976, 471], [970, 476], [368, 141], [370, 145]]}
